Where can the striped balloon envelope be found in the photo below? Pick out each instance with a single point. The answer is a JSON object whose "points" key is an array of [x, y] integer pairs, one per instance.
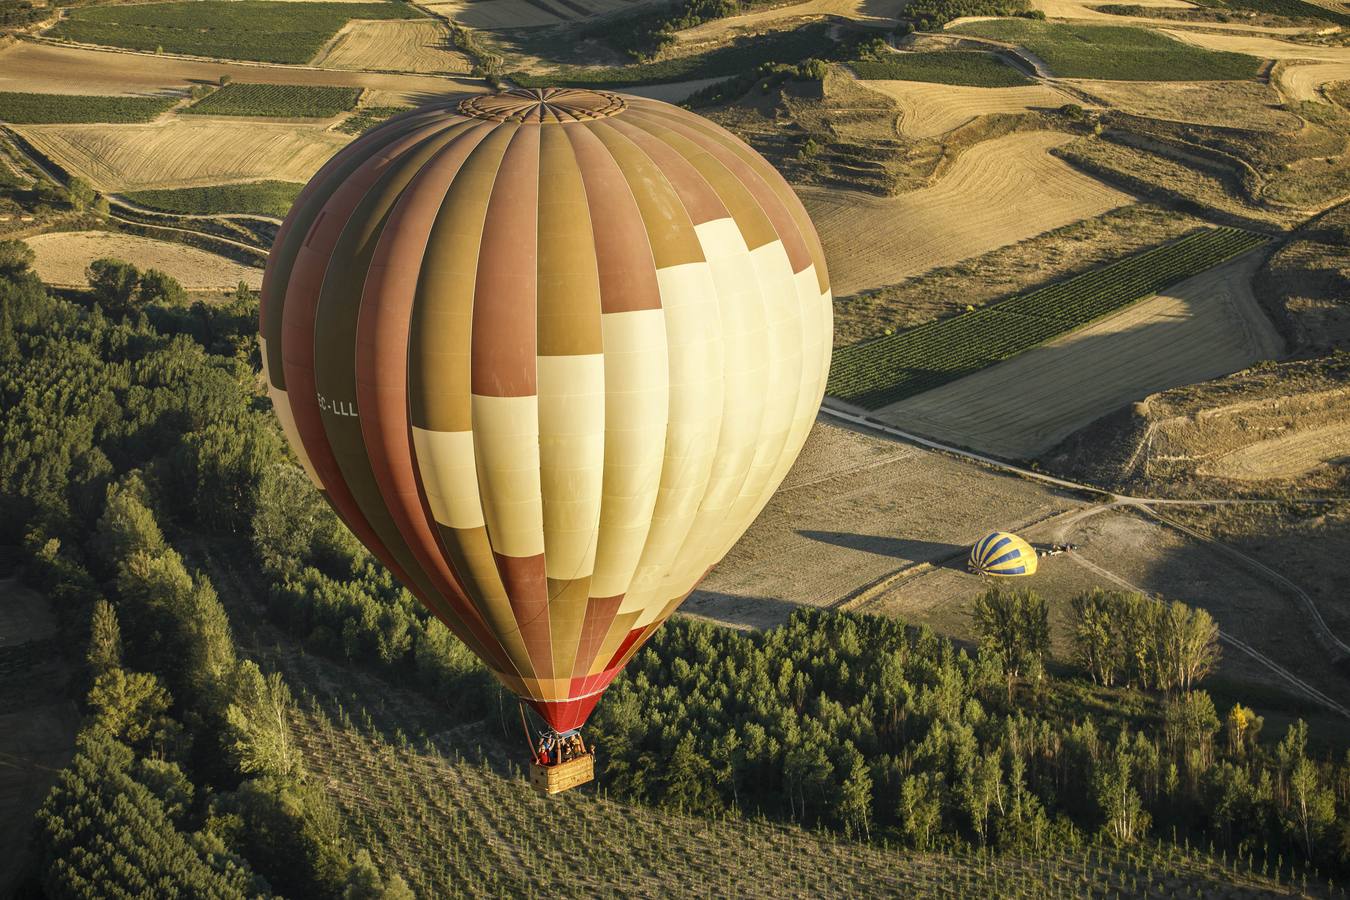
{"points": [[1004, 554], [547, 353]]}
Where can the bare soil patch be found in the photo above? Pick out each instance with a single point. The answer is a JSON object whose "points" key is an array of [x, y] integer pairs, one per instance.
{"points": [[1285, 456], [186, 152], [62, 257], [856, 509], [405, 45], [998, 192], [1203, 328], [1307, 81], [928, 109]]}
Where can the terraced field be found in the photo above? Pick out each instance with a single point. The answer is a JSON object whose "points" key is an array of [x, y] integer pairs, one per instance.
{"points": [[894, 367], [928, 110], [997, 193]]}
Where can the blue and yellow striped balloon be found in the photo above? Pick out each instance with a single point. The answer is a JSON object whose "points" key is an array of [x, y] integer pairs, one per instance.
{"points": [[1002, 554]]}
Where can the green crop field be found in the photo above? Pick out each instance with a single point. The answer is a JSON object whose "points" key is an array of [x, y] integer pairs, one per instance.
{"points": [[264, 30], [268, 198], [959, 67], [740, 57], [1114, 52], [882, 371], [43, 109], [290, 100], [365, 119], [1295, 9]]}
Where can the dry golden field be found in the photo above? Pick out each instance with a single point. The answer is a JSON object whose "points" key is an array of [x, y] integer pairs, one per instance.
{"points": [[1203, 328], [186, 152], [1255, 105], [401, 45], [62, 257], [999, 192], [928, 109]]}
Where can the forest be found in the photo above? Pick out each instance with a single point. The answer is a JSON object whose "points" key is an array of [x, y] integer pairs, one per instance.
{"points": [[135, 428]]}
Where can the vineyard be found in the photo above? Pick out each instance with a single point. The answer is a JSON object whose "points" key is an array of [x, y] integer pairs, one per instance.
{"points": [[267, 198], [263, 30], [368, 117], [50, 109], [285, 100], [890, 368]]}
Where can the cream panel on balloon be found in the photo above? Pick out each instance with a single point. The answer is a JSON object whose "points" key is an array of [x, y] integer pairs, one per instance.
{"points": [[746, 372], [281, 402], [637, 391], [571, 460], [694, 336], [445, 462], [506, 451]]}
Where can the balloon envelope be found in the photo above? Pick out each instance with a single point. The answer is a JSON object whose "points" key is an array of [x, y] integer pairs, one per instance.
{"points": [[1002, 553], [547, 354]]}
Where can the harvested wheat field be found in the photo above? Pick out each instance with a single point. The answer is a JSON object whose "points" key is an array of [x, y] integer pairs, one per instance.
{"points": [[403, 45], [881, 13], [856, 509], [997, 193], [62, 257], [1078, 10], [1255, 45], [52, 69], [1286, 456], [1257, 106], [928, 109], [1305, 81], [1205, 327], [186, 153]]}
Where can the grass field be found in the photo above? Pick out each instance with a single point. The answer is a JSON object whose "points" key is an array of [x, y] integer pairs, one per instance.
{"points": [[734, 59], [34, 109], [891, 368], [959, 67], [268, 198], [266, 30], [1110, 52], [288, 100]]}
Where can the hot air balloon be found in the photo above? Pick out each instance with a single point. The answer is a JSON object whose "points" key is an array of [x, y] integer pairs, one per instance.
{"points": [[1002, 554], [547, 353]]}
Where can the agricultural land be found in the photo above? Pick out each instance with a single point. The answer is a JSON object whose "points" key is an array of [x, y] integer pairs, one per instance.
{"points": [[1090, 268]]}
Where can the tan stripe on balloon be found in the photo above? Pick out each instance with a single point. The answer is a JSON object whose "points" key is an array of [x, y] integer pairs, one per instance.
{"points": [[566, 614], [506, 452], [449, 476], [439, 356], [636, 407], [470, 555], [281, 403], [618, 631], [571, 460], [568, 315]]}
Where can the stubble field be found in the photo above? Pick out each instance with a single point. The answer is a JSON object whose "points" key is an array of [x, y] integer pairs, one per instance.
{"points": [[62, 257], [418, 45], [928, 109]]}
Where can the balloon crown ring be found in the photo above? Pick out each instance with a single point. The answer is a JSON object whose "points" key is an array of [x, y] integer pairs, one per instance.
{"points": [[538, 105]]}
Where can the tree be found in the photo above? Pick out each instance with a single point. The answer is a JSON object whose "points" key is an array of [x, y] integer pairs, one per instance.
{"points": [[920, 809], [1017, 624], [855, 799], [105, 639], [365, 883], [114, 283], [1242, 725], [259, 723], [1190, 723], [130, 705], [1096, 642], [159, 287], [1124, 818], [9, 342], [1312, 806], [1188, 645], [16, 257], [79, 193]]}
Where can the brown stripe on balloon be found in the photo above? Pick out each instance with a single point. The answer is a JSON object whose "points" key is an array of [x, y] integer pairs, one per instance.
{"points": [[302, 296], [600, 613], [291, 235], [568, 317], [470, 553], [701, 203], [335, 349], [527, 588], [504, 300], [381, 381], [670, 233], [765, 197], [751, 220], [626, 269], [440, 359], [770, 175]]}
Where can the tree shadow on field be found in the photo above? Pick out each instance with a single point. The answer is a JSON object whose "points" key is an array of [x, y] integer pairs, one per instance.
{"points": [[738, 610], [940, 554]]}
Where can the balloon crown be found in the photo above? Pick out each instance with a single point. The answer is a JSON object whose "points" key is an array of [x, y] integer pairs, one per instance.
{"points": [[538, 105]]}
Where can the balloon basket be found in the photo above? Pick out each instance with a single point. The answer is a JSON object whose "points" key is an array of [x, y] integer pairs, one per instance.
{"points": [[554, 779]]}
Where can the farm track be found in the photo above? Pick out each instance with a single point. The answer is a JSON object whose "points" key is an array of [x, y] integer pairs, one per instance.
{"points": [[1337, 648]]}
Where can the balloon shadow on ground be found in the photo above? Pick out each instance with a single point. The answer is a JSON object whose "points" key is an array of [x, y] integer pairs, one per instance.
{"points": [[738, 610], [939, 554]]}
